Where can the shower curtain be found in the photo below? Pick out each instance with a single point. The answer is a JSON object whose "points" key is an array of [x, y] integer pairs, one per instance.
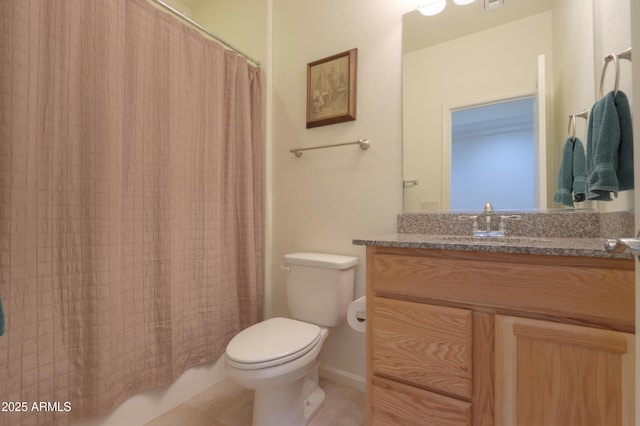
{"points": [[131, 192]]}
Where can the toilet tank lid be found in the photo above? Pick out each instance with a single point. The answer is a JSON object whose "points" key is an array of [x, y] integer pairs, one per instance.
{"points": [[321, 260]]}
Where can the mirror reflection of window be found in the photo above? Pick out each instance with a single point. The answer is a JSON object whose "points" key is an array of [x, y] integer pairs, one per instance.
{"points": [[493, 156]]}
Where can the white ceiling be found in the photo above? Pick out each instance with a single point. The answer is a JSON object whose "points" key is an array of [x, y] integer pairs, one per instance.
{"points": [[455, 21]]}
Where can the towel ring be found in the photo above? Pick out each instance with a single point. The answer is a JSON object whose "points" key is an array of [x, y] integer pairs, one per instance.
{"points": [[612, 57], [616, 60], [571, 129]]}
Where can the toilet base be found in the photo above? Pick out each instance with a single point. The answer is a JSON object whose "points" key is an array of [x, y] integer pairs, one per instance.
{"points": [[287, 405], [313, 403]]}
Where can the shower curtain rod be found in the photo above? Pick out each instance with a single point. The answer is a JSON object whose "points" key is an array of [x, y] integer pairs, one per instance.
{"points": [[205, 30]]}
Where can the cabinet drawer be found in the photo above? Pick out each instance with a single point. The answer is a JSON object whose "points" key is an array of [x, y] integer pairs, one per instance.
{"points": [[398, 404], [593, 291], [424, 345]]}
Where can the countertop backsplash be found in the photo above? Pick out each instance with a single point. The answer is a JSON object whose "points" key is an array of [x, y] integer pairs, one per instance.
{"points": [[547, 223]]}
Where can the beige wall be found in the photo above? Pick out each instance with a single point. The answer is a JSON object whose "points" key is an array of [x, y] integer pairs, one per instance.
{"points": [[326, 198]]}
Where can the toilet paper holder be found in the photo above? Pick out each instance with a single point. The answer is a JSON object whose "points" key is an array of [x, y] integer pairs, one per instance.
{"points": [[361, 316]]}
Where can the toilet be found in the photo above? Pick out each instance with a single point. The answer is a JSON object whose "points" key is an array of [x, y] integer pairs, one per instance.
{"points": [[278, 358]]}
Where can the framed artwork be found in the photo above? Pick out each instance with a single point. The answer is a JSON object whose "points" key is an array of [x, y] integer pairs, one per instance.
{"points": [[331, 89]]}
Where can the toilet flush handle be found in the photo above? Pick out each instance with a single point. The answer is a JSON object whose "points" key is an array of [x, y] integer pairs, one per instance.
{"points": [[285, 267]]}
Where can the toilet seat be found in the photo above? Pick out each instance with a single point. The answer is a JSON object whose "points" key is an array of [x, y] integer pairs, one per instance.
{"points": [[272, 342]]}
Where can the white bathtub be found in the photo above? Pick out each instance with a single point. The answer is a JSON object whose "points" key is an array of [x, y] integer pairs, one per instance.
{"points": [[146, 406]]}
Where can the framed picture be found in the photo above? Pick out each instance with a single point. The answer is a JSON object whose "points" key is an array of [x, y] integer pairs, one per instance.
{"points": [[331, 89]]}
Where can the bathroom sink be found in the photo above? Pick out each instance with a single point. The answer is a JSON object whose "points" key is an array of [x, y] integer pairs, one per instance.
{"points": [[489, 234], [469, 239]]}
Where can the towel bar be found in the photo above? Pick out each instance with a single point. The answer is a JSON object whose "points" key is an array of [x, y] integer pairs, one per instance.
{"points": [[364, 145]]}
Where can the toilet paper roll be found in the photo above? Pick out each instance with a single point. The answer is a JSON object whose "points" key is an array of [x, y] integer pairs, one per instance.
{"points": [[356, 314]]}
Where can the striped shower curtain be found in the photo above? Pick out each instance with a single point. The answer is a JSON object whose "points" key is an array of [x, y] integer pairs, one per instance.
{"points": [[131, 187]]}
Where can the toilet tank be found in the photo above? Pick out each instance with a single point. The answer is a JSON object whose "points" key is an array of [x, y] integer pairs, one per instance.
{"points": [[319, 286]]}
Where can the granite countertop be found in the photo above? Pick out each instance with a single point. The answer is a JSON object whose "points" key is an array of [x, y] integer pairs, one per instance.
{"points": [[586, 247]]}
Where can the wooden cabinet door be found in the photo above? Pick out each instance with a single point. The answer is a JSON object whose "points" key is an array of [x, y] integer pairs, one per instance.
{"points": [[557, 374]]}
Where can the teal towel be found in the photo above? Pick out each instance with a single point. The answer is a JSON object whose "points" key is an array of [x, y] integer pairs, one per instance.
{"points": [[603, 140], [1, 319], [625, 150], [565, 177], [579, 171], [571, 179]]}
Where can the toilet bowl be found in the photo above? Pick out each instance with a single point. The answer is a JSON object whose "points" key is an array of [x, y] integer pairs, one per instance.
{"points": [[282, 368], [278, 358]]}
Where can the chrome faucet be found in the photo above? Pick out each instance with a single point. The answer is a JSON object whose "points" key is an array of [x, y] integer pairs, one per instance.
{"points": [[488, 215], [488, 212]]}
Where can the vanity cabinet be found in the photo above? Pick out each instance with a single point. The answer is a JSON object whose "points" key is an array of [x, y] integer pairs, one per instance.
{"points": [[480, 338]]}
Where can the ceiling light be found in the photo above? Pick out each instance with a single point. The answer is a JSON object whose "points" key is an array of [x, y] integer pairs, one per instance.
{"points": [[432, 7]]}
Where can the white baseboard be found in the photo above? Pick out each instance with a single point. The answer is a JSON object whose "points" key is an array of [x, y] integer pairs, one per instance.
{"points": [[343, 377]]}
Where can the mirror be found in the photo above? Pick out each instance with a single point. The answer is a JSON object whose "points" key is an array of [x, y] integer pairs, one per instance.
{"points": [[466, 57]]}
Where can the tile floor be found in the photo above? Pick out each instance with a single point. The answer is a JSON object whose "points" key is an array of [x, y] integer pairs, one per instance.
{"points": [[227, 404]]}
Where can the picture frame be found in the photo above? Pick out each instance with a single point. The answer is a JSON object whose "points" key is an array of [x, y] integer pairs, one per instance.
{"points": [[331, 89]]}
